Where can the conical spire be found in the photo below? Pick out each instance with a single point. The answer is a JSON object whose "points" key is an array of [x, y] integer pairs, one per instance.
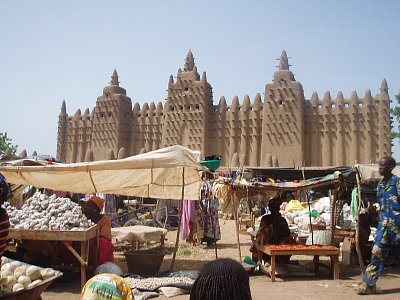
{"points": [[159, 107], [384, 86], [368, 95], [246, 103], [171, 80], [114, 78], [283, 61], [257, 105], [327, 96], [77, 115], [189, 62], [63, 107], [196, 73], [314, 98], [354, 95], [136, 107], [204, 77], [340, 99], [222, 104], [145, 109], [235, 104]]}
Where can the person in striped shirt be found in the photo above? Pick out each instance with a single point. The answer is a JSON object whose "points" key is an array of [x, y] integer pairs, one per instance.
{"points": [[4, 221]]}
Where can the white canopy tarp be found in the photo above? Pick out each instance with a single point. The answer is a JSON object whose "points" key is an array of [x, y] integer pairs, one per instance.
{"points": [[156, 174], [370, 172]]}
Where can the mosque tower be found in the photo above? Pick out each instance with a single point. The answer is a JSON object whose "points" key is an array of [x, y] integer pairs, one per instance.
{"points": [[111, 121], [282, 125], [187, 109]]}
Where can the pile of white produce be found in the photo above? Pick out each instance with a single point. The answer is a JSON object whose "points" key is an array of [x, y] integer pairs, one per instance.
{"points": [[152, 283], [41, 212], [299, 217], [16, 276]]}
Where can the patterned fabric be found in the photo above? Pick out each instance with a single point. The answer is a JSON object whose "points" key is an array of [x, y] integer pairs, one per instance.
{"points": [[4, 229], [106, 287], [388, 227], [273, 229], [209, 205], [4, 221], [3, 186], [105, 227]]}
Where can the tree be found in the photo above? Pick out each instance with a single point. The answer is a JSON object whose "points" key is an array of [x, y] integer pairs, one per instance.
{"points": [[395, 112], [5, 143]]}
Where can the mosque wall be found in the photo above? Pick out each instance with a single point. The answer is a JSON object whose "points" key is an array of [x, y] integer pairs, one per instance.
{"points": [[282, 130]]}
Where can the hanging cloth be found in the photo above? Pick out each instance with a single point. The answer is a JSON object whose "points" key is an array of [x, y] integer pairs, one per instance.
{"points": [[354, 203]]}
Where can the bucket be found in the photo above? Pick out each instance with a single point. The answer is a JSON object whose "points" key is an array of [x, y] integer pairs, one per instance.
{"points": [[144, 262]]}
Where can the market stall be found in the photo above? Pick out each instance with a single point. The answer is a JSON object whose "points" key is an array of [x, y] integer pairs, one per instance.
{"points": [[83, 237], [233, 191], [168, 173], [315, 251]]}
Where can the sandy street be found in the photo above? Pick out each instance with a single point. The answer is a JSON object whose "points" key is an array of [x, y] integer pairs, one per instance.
{"points": [[301, 287]]}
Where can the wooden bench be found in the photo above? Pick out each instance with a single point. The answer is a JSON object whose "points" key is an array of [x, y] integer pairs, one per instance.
{"points": [[314, 250]]}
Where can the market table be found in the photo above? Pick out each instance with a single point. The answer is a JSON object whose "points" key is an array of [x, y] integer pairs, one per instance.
{"points": [[82, 236], [139, 234], [312, 250]]}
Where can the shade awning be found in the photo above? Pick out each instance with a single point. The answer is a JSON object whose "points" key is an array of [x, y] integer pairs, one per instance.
{"points": [[157, 174]]}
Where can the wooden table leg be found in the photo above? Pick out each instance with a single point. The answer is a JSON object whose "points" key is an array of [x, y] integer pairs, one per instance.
{"points": [[316, 264], [273, 266], [85, 257], [335, 266]]}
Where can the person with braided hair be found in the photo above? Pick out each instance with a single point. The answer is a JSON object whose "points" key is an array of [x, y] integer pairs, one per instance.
{"points": [[223, 279]]}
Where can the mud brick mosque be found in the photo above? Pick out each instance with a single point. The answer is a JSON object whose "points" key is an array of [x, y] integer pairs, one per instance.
{"points": [[282, 130]]}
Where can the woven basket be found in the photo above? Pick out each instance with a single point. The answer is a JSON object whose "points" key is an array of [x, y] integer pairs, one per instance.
{"points": [[144, 262]]}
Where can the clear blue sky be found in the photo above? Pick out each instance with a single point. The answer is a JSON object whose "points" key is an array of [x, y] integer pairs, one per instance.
{"points": [[55, 50]]}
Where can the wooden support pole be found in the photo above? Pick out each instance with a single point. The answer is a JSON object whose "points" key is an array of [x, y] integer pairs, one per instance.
{"points": [[215, 240], [171, 268], [77, 256], [333, 214], [237, 232], [358, 249]]}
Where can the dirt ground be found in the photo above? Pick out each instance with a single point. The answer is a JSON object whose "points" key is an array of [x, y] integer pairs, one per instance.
{"points": [[300, 284]]}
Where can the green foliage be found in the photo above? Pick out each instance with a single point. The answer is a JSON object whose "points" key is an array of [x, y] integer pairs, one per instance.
{"points": [[395, 113], [5, 143]]}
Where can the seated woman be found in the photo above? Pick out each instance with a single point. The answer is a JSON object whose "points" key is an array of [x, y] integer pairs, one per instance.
{"points": [[274, 229], [92, 209]]}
